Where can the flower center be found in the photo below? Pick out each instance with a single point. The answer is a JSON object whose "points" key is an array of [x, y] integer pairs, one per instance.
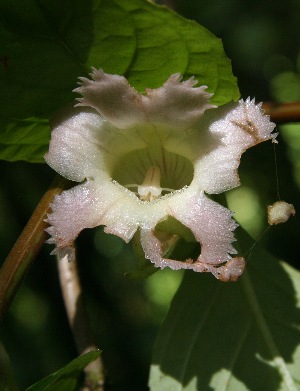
{"points": [[151, 173], [149, 161], [150, 189]]}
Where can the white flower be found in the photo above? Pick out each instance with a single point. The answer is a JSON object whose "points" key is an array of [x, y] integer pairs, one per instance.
{"points": [[143, 158]]}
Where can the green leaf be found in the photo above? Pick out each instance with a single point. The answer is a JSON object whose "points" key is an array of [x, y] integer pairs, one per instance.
{"points": [[232, 336], [24, 139], [46, 44], [66, 378]]}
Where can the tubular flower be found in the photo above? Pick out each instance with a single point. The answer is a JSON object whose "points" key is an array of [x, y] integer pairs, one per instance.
{"points": [[141, 159]]}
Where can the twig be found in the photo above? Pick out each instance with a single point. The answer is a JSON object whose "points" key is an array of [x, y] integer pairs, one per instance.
{"points": [[282, 112], [26, 247], [78, 320]]}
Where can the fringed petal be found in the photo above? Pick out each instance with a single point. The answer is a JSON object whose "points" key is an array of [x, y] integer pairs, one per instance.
{"points": [[153, 249], [245, 124], [212, 226], [234, 128], [86, 206], [72, 211], [176, 104], [113, 97]]}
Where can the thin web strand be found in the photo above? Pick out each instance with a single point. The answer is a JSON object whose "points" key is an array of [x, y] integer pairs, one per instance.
{"points": [[276, 172]]}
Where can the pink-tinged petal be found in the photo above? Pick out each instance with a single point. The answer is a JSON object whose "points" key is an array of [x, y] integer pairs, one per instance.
{"points": [[86, 206], [153, 249], [216, 172], [212, 226], [236, 127], [75, 150], [113, 97], [72, 211], [176, 104], [245, 124]]}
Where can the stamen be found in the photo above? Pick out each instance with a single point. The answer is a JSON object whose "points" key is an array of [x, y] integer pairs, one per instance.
{"points": [[150, 189]]}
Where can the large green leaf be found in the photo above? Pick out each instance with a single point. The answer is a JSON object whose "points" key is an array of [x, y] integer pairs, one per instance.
{"points": [[46, 44], [232, 336], [66, 378]]}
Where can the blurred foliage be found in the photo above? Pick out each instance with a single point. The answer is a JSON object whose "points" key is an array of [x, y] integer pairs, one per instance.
{"points": [[260, 37], [263, 41]]}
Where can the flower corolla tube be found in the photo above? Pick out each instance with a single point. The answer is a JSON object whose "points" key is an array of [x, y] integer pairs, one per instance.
{"points": [[143, 158]]}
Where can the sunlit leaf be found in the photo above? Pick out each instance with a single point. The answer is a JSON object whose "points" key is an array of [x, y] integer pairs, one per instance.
{"points": [[66, 378], [45, 45], [232, 336]]}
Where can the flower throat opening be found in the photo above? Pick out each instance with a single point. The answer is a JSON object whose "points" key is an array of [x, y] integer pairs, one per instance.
{"points": [[150, 189], [151, 176]]}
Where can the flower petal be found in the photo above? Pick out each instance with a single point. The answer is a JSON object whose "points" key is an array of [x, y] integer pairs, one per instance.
{"points": [[86, 206], [113, 97], [75, 149], [236, 127], [153, 249], [230, 271], [176, 104], [212, 226], [72, 211]]}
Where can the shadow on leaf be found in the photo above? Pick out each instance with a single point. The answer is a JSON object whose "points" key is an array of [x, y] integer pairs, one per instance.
{"points": [[234, 336]]}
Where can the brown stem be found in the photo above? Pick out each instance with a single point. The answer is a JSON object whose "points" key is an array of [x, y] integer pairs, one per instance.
{"points": [[78, 320], [282, 112], [26, 247]]}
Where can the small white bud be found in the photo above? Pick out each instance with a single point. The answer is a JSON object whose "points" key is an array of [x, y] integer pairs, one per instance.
{"points": [[280, 212]]}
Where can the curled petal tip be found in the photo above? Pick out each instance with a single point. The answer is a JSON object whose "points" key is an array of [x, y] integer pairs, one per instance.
{"points": [[231, 271]]}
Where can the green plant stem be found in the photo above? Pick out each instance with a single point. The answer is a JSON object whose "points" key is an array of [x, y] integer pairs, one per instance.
{"points": [[79, 323], [26, 247], [282, 112]]}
